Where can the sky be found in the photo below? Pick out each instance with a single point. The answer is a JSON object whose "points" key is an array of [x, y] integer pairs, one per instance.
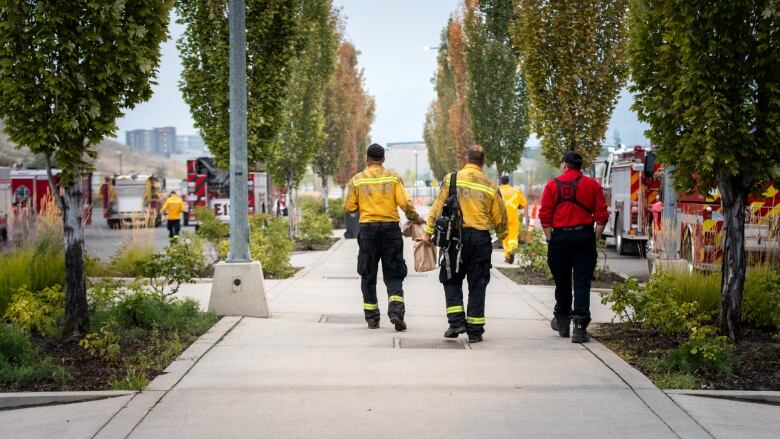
{"points": [[393, 37]]}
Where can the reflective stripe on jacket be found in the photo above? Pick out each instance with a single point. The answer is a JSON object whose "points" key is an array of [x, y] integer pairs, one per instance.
{"points": [[480, 202], [378, 193]]}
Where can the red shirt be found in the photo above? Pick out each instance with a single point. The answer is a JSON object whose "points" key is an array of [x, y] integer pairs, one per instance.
{"points": [[568, 214]]}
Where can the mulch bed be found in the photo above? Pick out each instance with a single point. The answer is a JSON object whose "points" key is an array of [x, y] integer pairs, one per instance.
{"points": [[85, 372], [757, 355], [314, 248], [523, 276]]}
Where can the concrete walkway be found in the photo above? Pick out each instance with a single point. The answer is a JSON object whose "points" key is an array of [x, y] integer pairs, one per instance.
{"points": [[315, 370]]}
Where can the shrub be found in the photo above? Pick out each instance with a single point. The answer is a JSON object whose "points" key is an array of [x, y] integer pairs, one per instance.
{"points": [[20, 361], [177, 264], [761, 300], [336, 212], [39, 311], [104, 343], [314, 229], [35, 266], [625, 299], [309, 202], [146, 309], [211, 229], [533, 254], [270, 243]]}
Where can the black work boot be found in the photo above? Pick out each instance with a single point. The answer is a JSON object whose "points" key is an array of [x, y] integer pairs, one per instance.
{"points": [[580, 332], [475, 338], [399, 323], [561, 324], [510, 259], [373, 323], [454, 332]]}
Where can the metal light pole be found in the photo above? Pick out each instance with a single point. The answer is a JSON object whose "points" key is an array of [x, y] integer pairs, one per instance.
{"points": [[238, 288], [120, 163], [239, 221]]}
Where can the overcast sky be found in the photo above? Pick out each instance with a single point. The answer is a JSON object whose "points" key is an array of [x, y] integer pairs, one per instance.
{"points": [[392, 36]]}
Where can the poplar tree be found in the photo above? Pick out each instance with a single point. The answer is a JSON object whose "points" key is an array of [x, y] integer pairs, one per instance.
{"points": [[572, 59], [69, 70], [496, 92], [272, 43], [707, 79]]}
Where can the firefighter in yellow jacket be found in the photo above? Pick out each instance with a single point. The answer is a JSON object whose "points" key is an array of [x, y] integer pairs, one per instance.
{"points": [[174, 206], [377, 193], [482, 210], [513, 200]]}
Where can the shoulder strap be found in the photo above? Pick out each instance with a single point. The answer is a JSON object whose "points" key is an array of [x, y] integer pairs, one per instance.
{"points": [[453, 190]]}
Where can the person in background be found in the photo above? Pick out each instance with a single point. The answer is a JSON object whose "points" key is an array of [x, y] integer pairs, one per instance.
{"points": [[571, 204], [513, 200], [173, 206], [377, 193]]}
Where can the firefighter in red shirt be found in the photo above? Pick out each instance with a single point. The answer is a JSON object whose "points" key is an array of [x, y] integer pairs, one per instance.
{"points": [[571, 204]]}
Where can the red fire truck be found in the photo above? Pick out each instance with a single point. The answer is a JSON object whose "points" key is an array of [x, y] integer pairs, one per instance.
{"points": [[5, 202], [632, 181], [30, 187], [209, 186]]}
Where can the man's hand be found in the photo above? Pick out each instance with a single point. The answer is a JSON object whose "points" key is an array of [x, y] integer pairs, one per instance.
{"points": [[599, 231], [547, 233]]}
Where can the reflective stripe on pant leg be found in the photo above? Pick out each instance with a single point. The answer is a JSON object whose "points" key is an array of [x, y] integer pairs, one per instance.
{"points": [[475, 320], [454, 309], [370, 306], [395, 298]]}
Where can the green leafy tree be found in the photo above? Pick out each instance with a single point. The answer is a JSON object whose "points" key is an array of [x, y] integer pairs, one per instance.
{"points": [[429, 136], [272, 37], [496, 92], [572, 59], [302, 132], [69, 69], [707, 80]]}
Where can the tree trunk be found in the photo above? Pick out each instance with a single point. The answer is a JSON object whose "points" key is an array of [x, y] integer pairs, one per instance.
{"points": [[325, 200], [734, 191], [290, 206]]}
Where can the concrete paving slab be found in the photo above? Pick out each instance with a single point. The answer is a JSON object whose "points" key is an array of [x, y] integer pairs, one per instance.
{"points": [[77, 420], [11, 400], [400, 411], [726, 419]]}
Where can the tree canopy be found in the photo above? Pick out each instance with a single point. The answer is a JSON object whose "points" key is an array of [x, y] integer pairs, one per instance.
{"points": [[496, 92], [572, 59], [273, 40]]}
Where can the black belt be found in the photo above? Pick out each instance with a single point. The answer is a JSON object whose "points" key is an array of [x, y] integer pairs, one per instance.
{"points": [[378, 224], [580, 227]]}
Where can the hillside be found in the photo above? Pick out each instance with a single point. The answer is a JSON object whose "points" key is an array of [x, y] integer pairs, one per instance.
{"points": [[107, 163]]}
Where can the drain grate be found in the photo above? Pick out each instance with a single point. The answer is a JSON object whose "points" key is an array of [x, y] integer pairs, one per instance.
{"points": [[336, 277], [343, 319], [427, 343]]}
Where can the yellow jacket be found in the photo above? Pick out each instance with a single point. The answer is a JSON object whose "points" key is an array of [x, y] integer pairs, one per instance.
{"points": [[175, 206], [480, 201], [513, 198], [378, 193]]}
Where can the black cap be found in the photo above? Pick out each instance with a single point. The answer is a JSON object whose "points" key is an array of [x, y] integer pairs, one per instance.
{"points": [[375, 152], [574, 159]]}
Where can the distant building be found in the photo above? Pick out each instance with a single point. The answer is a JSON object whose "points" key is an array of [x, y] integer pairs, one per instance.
{"points": [[191, 146], [165, 140], [142, 140], [157, 140], [402, 157]]}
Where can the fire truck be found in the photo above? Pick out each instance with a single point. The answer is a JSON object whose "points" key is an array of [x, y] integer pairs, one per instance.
{"points": [[132, 199], [633, 182], [208, 186], [630, 187]]}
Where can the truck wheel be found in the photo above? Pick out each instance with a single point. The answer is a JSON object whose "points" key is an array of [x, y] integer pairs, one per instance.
{"points": [[620, 244], [186, 219], [3, 236]]}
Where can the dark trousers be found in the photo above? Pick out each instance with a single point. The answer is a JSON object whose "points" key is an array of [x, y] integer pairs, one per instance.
{"points": [[381, 242], [572, 255], [173, 228], [475, 268]]}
